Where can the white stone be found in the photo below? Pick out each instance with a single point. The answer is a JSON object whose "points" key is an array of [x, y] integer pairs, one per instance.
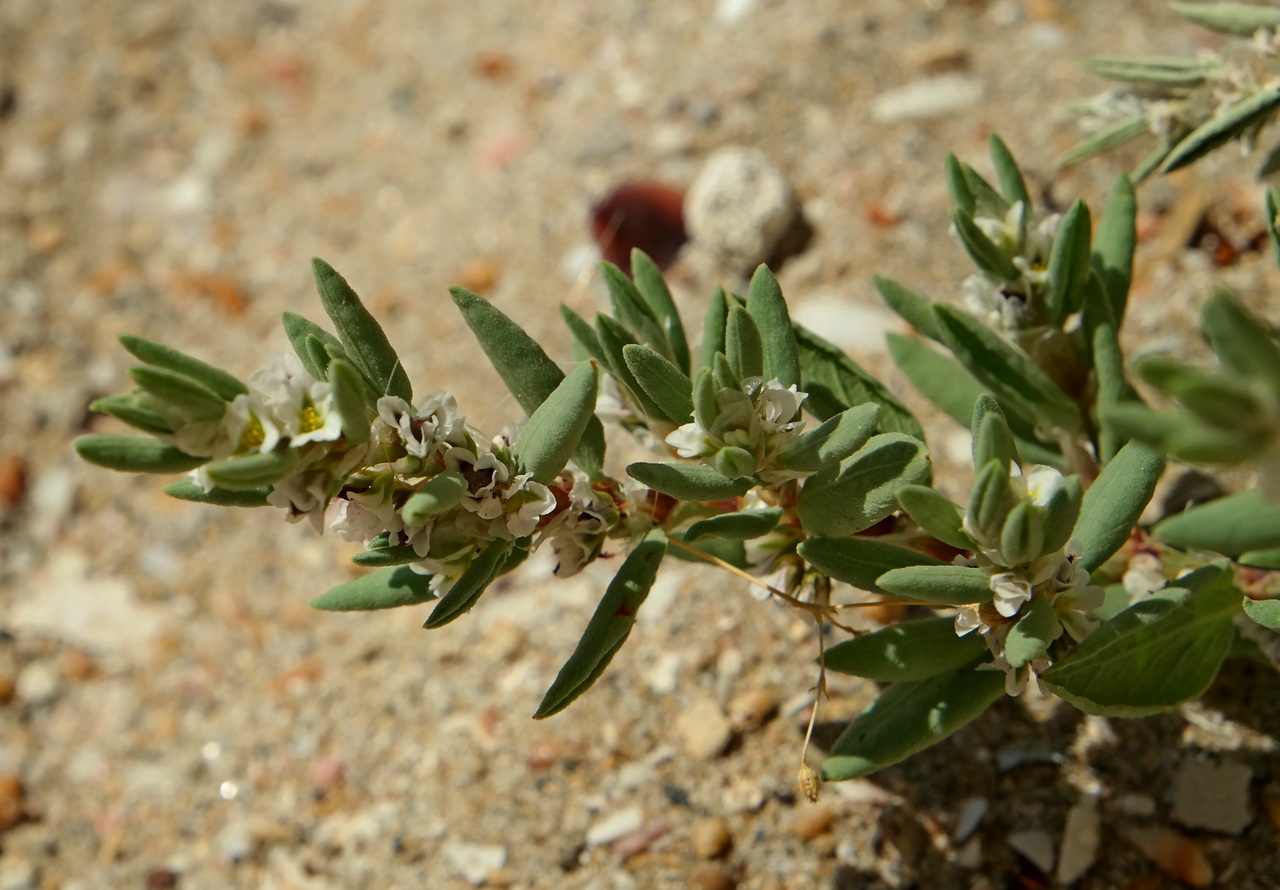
{"points": [[740, 206], [475, 861], [1080, 838], [608, 829], [971, 815], [1036, 846], [929, 97], [1213, 796]]}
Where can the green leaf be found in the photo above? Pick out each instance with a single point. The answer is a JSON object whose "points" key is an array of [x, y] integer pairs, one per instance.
{"points": [[689, 482], [1061, 513], [631, 311], [1036, 629], [1225, 402], [613, 339], [609, 626], [1111, 507], [299, 330], [1112, 136], [935, 513], [1016, 382], [737, 526], [360, 334], [985, 254], [1069, 263], [438, 495], [1170, 72], [376, 557], [466, 591], [218, 381], [1012, 185], [988, 201], [1242, 342], [769, 311], [713, 327], [668, 386], [1155, 655], [555, 428], [913, 650], [1114, 244], [833, 440], [1022, 537], [743, 347], [189, 490], [1113, 387], [705, 407], [1261, 559], [860, 561], [734, 461], [649, 282], [916, 310], [909, 717], [946, 585], [130, 454], [349, 399], [1273, 220], [253, 470], [1250, 113], [992, 438], [835, 383], [962, 200], [1237, 19], [990, 500], [528, 372], [584, 335], [862, 489], [1264, 612], [139, 410], [189, 398], [1151, 163], [384, 589], [1231, 526]]}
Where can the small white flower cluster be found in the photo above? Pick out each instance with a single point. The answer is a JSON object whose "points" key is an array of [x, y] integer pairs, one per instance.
{"points": [[360, 490], [1027, 239], [754, 425], [1056, 577]]}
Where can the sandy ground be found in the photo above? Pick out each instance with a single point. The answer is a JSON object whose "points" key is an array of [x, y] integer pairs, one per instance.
{"points": [[171, 711]]}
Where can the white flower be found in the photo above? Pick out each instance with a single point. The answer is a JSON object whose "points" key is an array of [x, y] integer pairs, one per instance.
{"points": [[777, 406], [433, 424], [968, 620], [690, 441], [1009, 592], [304, 494]]}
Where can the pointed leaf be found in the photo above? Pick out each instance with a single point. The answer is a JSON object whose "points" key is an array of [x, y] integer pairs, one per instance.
{"points": [[1035, 631], [1012, 185], [613, 339], [1237, 19], [649, 282], [862, 489], [555, 428], [131, 454], [936, 514], [1160, 71], [737, 526], [1155, 655], [1112, 505], [384, 589], [218, 381], [360, 334], [466, 591], [299, 330], [528, 372], [860, 561], [743, 346], [689, 482], [180, 393], [1114, 244], [1261, 559], [668, 386], [253, 470], [946, 585], [909, 717], [1069, 263], [1231, 526], [985, 254], [916, 310], [769, 311], [713, 327], [1264, 612], [584, 335], [1242, 342], [138, 409], [992, 438], [1110, 137], [438, 495], [1250, 113], [833, 440], [349, 399], [189, 490], [913, 650], [962, 200], [377, 557], [609, 626]]}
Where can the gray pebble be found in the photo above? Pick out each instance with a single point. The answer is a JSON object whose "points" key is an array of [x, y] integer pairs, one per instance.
{"points": [[740, 207]]}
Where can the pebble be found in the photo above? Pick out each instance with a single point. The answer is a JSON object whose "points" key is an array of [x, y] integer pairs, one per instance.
{"points": [[710, 877], [1036, 846], [641, 839], [705, 730], [608, 829], [1080, 838], [811, 821], [927, 97], [711, 837], [971, 814], [1135, 805], [740, 206], [11, 795], [1213, 796], [1174, 853], [13, 479], [39, 682], [752, 709], [18, 874], [742, 796], [648, 216], [475, 861]]}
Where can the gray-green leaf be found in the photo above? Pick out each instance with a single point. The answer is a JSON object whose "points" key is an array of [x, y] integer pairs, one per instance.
{"points": [[386, 588], [913, 650]]}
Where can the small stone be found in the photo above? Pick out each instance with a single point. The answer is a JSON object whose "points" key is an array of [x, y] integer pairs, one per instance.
{"points": [[1135, 805], [608, 829], [478, 275], [705, 729], [11, 796], [18, 874], [648, 216], [475, 862], [825, 844], [811, 821], [740, 207], [742, 796], [752, 709], [1214, 796], [641, 839], [1174, 853], [161, 879], [928, 97], [710, 877], [1080, 838], [711, 838], [13, 479], [1036, 846], [40, 682], [971, 814], [7, 690]]}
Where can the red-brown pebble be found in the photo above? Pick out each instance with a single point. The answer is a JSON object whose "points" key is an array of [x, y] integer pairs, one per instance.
{"points": [[711, 877], [644, 215], [811, 821]]}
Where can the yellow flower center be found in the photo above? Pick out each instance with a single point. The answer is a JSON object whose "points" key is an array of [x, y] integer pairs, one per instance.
{"points": [[253, 435], [311, 419]]}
